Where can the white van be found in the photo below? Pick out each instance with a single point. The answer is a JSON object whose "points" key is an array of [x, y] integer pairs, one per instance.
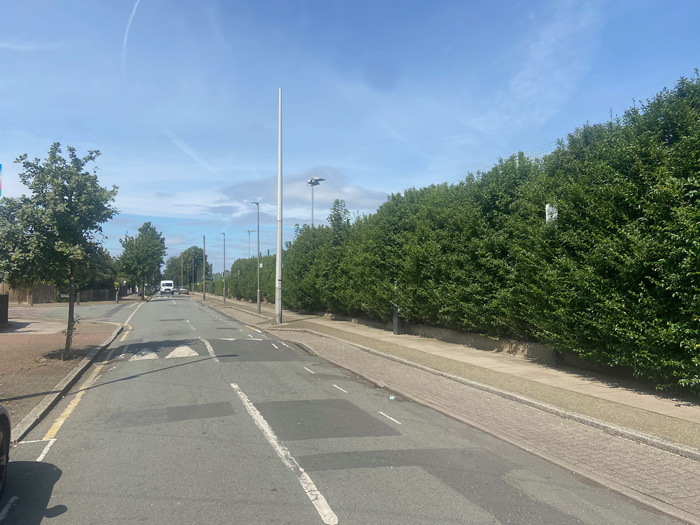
{"points": [[166, 287]]}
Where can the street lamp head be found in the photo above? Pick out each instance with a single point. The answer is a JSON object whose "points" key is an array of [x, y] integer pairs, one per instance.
{"points": [[314, 181], [256, 203], [251, 231]]}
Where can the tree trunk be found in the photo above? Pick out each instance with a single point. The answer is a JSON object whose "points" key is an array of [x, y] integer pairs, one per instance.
{"points": [[71, 318]]}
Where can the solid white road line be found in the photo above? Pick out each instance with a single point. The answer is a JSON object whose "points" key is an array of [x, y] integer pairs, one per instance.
{"points": [[389, 417], [50, 442], [190, 324], [340, 389], [210, 349], [132, 313], [309, 370], [319, 501]]}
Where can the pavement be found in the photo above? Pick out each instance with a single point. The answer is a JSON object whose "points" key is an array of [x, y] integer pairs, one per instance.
{"points": [[33, 374], [614, 431]]}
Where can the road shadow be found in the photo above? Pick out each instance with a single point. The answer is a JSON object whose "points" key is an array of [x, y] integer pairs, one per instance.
{"points": [[28, 492]]}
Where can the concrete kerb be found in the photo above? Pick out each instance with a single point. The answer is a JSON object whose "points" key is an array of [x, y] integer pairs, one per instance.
{"points": [[60, 390], [609, 428]]}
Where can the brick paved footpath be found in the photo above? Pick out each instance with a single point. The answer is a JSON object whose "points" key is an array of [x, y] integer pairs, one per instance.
{"points": [[664, 480], [30, 359]]}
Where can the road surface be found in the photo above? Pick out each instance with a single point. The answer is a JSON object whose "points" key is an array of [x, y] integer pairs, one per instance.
{"points": [[193, 417]]}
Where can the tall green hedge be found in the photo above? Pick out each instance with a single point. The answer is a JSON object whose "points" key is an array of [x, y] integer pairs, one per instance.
{"points": [[616, 278]]}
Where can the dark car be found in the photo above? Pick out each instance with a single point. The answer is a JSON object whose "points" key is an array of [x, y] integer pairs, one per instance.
{"points": [[4, 446]]}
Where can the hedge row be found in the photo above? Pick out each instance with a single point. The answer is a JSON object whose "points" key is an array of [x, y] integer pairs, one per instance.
{"points": [[616, 278]]}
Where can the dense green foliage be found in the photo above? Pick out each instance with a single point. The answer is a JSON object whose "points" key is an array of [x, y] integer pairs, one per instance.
{"points": [[142, 256], [49, 236], [242, 282], [616, 278], [186, 268]]}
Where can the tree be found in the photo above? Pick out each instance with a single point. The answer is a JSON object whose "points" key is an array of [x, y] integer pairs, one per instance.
{"points": [[174, 270], [46, 236], [142, 256], [97, 270]]}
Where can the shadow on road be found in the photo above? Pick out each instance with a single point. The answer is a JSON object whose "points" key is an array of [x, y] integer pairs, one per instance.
{"points": [[28, 492]]}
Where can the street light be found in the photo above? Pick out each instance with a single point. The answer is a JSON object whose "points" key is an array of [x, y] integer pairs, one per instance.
{"points": [[313, 181], [249, 232], [224, 234], [258, 206]]}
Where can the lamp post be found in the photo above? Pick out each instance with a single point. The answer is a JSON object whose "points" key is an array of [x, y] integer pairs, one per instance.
{"points": [[249, 232], [204, 268], [257, 204], [313, 181], [224, 234]]}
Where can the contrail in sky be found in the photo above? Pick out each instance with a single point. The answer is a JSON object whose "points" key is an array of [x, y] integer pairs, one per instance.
{"points": [[191, 153], [126, 34]]}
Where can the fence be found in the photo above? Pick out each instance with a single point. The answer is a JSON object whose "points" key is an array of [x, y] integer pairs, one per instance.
{"points": [[46, 293], [40, 293]]}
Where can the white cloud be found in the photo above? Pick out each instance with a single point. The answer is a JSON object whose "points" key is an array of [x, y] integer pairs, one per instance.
{"points": [[554, 57]]}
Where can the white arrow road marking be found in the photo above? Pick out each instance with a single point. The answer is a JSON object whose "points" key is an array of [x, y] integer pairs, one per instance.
{"points": [[182, 351], [144, 354], [319, 501]]}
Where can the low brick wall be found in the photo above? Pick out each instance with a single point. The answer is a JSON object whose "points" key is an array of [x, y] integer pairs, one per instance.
{"points": [[530, 350]]}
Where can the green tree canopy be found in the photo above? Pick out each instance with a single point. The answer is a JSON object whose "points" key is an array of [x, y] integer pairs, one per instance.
{"points": [[191, 271], [49, 234], [143, 254]]}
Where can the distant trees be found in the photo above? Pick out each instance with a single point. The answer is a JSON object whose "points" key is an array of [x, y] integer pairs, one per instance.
{"points": [[50, 235], [191, 270], [142, 255]]}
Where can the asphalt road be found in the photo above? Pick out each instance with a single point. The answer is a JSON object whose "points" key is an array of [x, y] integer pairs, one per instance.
{"points": [[192, 417]]}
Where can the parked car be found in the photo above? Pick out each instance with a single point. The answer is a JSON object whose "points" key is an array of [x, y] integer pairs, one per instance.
{"points": [[183, 290], [4, 446]]}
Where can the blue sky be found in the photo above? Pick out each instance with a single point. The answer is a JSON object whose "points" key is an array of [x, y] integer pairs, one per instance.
{"points": [[181, 97]]}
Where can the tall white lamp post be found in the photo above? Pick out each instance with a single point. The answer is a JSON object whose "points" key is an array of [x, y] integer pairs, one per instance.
{"points": [[278, 265]]}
